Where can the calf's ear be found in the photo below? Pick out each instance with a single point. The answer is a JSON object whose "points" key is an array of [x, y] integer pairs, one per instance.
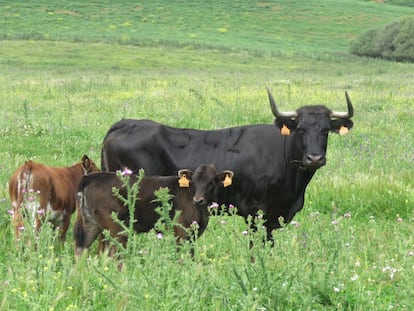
{"points": [[86, 163], [340, 126], [226, 177], [285, 125], [185, 177]]}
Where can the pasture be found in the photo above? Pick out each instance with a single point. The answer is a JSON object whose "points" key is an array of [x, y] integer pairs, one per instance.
{"points": [[70, 70]]}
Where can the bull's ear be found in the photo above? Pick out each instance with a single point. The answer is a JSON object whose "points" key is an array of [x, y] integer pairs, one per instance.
{"points": [[185, 177], [341, 126], [285, 125], [226, 177]]}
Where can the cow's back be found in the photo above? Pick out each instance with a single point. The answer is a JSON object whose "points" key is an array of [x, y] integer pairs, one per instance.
{"points": [[163, 150]]}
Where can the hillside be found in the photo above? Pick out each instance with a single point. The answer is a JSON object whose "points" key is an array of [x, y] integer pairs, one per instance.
{"points": [[272, 26]]}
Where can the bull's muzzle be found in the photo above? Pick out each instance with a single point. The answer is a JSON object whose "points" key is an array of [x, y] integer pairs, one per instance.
{"points": [[314, 160]]}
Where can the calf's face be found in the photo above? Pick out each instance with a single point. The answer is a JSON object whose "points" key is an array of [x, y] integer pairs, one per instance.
{"points": [[206, 182]]}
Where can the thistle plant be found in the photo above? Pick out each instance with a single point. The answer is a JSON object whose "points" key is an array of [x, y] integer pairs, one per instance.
{"points": [[128, 195], [129, 200]]}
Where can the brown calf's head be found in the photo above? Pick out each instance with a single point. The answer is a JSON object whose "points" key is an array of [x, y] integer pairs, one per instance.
{"points": [[88, 165]]}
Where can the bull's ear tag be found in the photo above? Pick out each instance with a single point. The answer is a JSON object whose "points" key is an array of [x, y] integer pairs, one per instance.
{"points": [[343, 130], [227, 181], [183, 182], [285, 130]]}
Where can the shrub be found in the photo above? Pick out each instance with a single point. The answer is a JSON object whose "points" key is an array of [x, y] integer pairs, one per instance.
{"points": [[401, 2], [394, 41]]}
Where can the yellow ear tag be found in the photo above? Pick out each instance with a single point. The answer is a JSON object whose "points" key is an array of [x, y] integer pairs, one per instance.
{"points": [[227, 181], [343, 130], [284, 130], [183, 182]]}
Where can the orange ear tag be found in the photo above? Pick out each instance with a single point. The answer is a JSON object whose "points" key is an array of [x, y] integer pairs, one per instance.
{"points": [[183, 182], [343, 130], [227, 181], [285, 130]]}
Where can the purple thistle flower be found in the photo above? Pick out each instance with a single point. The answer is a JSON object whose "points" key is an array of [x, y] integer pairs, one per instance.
{"points": [[214, 205], [126, 171], [159, 236], [11, 212]]}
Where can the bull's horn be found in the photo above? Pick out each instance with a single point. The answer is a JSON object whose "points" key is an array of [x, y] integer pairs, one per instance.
{"points": [[276, 112], [344, 115]]}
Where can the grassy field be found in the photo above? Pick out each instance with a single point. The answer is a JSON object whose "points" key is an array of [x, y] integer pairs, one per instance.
{"points": [[70, 69]]}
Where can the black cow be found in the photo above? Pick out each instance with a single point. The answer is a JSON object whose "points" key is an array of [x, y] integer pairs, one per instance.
{"points": [[191, 193], [272, 167]]}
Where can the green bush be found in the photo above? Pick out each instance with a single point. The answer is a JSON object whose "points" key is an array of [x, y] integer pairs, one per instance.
{"points": [[394, 41], [401, 2]]}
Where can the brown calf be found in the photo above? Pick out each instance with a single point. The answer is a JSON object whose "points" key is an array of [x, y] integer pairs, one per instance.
{"points": [[41, 191], [191, 193]]}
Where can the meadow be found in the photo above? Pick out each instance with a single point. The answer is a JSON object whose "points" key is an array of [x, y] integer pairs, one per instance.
{"points": [[69, 70]]}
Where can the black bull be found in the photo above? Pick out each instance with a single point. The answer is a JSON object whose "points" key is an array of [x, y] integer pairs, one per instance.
{"points": [[272, 168]]}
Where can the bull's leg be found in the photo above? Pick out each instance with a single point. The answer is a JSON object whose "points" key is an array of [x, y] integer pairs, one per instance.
{"points": [[271, 223], [269, 235], [270, 226]]}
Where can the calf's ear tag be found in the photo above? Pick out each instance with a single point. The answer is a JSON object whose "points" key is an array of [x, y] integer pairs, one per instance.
{"points": [[183, 182], [285, 131], [343, 130], [227, 181]]}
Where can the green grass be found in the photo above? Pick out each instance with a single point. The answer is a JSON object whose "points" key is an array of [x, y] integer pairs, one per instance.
{"points": [[293, 26], [67, 75]]}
